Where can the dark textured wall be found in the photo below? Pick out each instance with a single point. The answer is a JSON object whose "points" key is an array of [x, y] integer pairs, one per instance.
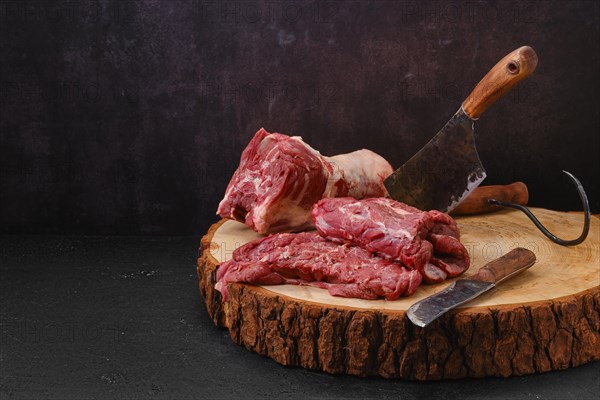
{"points": [[129, 116]]}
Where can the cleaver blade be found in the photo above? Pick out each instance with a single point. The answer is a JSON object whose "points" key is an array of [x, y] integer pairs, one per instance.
{"points": [[444, 172]]}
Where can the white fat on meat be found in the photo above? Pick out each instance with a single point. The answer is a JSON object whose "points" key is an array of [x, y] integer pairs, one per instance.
{"points": [[362, 172]]}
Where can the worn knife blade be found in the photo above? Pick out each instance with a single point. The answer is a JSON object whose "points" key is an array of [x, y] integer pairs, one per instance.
{"points": [[423, 312]]}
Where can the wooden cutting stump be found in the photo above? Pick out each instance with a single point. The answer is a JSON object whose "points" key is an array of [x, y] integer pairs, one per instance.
{"points": [[547, 318]]}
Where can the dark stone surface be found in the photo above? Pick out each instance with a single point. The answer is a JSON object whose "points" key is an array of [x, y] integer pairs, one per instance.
{"points": [[121, 318], [122, 116]]}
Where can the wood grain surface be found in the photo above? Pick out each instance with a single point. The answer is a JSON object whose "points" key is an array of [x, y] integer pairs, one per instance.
{"points": [[543, 319]]}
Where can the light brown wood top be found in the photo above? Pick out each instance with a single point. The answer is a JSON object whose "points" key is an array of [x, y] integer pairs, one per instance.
{"points": [[559, 271]]}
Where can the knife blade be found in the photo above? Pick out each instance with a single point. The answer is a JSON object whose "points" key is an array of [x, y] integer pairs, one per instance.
{"points": [[425, 311], [447, 169]]}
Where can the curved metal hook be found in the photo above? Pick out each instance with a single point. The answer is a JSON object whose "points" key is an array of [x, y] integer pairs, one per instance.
{"points": [[586, 211]]}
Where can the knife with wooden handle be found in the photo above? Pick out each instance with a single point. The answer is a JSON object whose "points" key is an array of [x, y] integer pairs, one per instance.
{"points": [[447, 169], [477, 201], [423, 312]]}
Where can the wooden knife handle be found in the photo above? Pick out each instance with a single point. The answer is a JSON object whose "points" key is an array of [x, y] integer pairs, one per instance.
{"points": [[476, 202], [509, 71], [513, 262]]}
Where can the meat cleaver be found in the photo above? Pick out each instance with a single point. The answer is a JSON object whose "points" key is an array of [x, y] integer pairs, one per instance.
{"points": [[423, 312], [448, 169]]}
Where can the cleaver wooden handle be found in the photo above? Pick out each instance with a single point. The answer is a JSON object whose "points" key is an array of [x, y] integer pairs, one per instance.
{"points": [[513, 262], [509, 71], [476, 202]]}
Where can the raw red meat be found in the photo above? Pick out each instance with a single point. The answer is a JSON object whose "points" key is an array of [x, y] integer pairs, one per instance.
{"points": [[280, 178], [309, 259], [427, 241]]}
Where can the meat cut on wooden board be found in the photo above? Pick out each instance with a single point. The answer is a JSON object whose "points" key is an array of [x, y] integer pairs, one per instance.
{"points": [[547, 318], [280, 178]]}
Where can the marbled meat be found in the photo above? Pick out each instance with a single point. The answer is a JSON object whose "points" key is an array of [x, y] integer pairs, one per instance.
{"points": [[427, 241], [309, 259], [280, 178]]}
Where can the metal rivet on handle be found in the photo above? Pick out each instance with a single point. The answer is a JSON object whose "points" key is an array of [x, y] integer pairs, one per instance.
{"points": [[513, 67]]}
